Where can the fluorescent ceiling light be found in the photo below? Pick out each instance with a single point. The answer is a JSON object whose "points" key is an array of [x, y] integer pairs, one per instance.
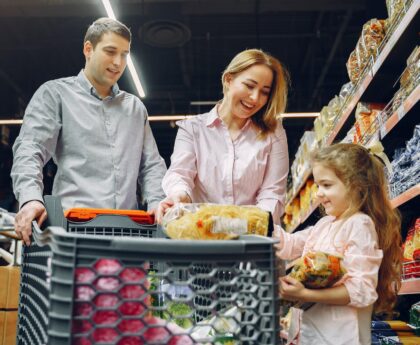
{"points": [[108, 9], [153, 118], [11, 122], [135, 77], [297, 115], [130, 64], [284, 115], [159, 118], [203, 102]]}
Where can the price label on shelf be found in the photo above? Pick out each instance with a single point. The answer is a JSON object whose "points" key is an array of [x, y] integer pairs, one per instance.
{"points": [[382, 131], [400, 112]]}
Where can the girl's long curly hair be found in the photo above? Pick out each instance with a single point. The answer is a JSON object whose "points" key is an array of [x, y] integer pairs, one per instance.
{"points": [[363, 175]]}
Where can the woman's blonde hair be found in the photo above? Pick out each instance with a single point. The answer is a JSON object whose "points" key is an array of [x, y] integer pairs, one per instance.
{"points": [[363, 175], [265, 118]]}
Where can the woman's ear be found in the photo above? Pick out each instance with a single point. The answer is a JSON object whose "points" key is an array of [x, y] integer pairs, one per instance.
{"points": [[227, 79]]}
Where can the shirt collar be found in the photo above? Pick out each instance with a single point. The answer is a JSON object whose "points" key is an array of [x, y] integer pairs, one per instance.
{"points": [[213, 119], [87, 86]]}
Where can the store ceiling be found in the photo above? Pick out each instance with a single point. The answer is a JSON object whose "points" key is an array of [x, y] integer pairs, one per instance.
{"points": [[181, 48]]}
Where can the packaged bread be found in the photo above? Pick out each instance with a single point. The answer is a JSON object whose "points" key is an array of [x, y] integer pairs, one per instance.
{"points": [[215, 222], [394, 7], [373, 33], [318, 270], [410, 76]]}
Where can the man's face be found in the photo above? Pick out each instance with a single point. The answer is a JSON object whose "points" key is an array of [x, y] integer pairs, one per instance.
{"points": [[106, 62]]}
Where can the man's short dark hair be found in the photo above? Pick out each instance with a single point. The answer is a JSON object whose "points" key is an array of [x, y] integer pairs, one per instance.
{"points": [[104, 25]]}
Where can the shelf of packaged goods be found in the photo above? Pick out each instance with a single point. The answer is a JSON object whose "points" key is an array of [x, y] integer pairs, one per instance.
{"points": [[406, 196], [410, 286], [399, 114], [304, 217], [363, 84], [305, 176]]}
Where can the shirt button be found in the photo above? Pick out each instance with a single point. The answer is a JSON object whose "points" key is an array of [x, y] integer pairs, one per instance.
{"points": [[108, 123]]}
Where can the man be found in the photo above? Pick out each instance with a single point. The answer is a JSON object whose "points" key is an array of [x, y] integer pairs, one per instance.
{"points": [[98, 136]]}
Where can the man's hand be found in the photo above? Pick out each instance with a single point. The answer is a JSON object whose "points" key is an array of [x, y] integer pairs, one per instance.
{"points": [[168, 202], [32, 210]]}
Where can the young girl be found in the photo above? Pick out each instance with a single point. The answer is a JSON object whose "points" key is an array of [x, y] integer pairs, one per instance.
{"points": [[362, 227]]}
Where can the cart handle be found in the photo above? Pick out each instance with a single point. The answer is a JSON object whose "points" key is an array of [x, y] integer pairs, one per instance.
{"points": [[10, 233]]}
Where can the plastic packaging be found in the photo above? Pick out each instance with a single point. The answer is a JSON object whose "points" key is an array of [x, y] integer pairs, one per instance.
{"points": [[215, 222], [367, 46], [318, 270]]}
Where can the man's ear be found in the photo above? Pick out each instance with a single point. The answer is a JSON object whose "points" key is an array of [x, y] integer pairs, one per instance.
{"points": [[87, 49]]}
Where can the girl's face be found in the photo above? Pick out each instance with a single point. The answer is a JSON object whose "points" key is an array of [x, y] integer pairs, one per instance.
{"points": [[332, 193], [248, 91]]}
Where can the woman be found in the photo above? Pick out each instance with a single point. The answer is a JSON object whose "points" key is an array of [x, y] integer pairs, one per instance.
{"points": [[236, 153]]}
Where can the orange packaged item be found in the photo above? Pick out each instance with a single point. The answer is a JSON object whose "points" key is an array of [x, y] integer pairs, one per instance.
{"points": [[86, 214], [318, 270]]}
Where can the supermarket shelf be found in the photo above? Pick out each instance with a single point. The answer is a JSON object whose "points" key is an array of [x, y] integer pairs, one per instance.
{"points": [[303, 218], [406, 196], [398, 115], [411, 286], [364, 83], [311, 210], [305, 176], [387, 50], [396, 202]]}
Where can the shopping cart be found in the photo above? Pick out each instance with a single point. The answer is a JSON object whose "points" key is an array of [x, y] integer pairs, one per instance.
{"points": [[112, 281]]}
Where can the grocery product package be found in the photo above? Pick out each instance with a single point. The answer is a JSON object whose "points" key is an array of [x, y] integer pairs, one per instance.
{"points": [[317, 270], [366, 120], [409, 79], [373, 33], [215, 222], [394, 7]]}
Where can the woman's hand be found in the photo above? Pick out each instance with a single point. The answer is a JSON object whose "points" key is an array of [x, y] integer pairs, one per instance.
{"points": [[169, 201], [291, 289]]}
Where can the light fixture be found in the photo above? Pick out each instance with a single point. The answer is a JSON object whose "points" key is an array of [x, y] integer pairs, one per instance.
{"points": [[203, 102], [160, 118], [110, 13], [297, 115], [11, 122]]}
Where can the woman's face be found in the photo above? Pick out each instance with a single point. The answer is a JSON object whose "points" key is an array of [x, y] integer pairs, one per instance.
{"points": [[247, 92]]}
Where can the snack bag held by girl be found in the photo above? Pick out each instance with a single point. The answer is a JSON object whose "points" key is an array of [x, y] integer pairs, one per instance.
{"points": [[363, 229], [317, 270]]}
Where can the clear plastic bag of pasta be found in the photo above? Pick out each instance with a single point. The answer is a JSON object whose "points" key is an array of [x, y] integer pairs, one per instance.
{"points": [[215, 222], [317, 270]]}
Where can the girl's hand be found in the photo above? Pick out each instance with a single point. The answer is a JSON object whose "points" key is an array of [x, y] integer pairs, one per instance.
{"points": [[291, 289]]}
